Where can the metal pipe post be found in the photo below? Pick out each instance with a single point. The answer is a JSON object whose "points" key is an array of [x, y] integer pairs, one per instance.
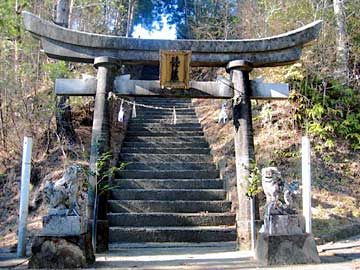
{"points": [[24, 197], [306, 182]]}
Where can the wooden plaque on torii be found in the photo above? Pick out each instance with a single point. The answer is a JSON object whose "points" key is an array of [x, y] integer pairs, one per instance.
{"points": [[175, 69]]}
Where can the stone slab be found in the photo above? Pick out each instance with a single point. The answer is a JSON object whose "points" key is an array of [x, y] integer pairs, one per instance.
{"points": [[284, 225], [222, 88], [286, 249], [64, 225]]}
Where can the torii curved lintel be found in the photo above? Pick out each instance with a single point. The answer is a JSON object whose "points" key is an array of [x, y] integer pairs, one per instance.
{"points": [[66, 44]]}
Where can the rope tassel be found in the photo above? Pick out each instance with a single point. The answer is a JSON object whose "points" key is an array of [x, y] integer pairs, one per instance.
{"points": [[121, 113], [133, 115], [174, 116]]}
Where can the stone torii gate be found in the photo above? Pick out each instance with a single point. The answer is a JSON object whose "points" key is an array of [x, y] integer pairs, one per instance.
{"points": [[238, 56]]}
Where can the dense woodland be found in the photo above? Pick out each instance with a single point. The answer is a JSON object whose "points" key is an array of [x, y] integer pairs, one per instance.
{"points": [[325, 95]]}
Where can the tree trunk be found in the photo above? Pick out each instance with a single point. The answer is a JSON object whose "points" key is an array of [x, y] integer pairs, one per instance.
{"points": [[130, 17], [342, 51], [241, 15], [62, 13], [187, 27], [64, 127], [3, 125]]}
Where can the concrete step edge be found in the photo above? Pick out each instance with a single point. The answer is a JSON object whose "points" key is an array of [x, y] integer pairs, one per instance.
{"points": [[169, 202], [172, 179], [169, 190], [223, 214], [189, 228], [229, 245], [170, 171]]}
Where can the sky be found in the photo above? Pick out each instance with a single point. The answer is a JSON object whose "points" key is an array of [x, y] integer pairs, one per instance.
{"points": [[167, 32]]}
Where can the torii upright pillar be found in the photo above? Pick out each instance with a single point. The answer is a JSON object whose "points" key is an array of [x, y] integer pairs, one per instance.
{"points": [[244, 145], [100, 140]]}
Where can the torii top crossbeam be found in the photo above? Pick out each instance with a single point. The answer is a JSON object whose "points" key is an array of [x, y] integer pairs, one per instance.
{"points": [[62, 43]]}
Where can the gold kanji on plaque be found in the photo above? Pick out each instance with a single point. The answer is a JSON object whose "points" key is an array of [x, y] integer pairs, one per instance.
{"points": [[174, 69]]}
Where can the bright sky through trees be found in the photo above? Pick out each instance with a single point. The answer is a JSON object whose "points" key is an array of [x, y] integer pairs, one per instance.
{"points": [[166, 32]]}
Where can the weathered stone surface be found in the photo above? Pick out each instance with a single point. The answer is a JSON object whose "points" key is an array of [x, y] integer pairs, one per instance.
{"points": [[61, 252], [286, 224], [222, 88], [62, 43], [81, 87], [64, 225], [286, 249]]}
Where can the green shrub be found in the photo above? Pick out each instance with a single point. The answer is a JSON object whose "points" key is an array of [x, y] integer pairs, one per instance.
{"points": [[327, 110]]}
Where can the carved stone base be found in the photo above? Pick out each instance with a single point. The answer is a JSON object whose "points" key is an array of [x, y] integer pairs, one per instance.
{"points": [[64, 225], [286, 249], [59, 252], [283, 225]]}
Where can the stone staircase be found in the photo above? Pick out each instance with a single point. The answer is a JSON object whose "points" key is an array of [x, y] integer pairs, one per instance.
{"points": [[170, 190]]}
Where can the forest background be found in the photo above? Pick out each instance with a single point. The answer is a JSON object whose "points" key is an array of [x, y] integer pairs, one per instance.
{"points": [[324, 101]]}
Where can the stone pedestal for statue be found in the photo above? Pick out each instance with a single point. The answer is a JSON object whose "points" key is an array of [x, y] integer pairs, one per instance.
{"points": [[282, 238], [65, 240], [286, 243]]}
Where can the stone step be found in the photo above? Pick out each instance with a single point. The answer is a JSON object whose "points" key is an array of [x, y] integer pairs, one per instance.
{"points": [[175, 246], [163, 133], [165, 144], [166, 104], [161, 106], [169, 166], [164, 107], [156, 206], [136, 157], [193, 139], [168, 120], [172, 234], [181, 111], [190, 126], [162, 99], [166, 174], [163, 128], [162, 150], [168, 194], [170, 219], [169, 183]]}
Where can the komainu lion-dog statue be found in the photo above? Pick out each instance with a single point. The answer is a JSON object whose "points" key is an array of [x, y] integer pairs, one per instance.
{"points": [[274, 186], [63, 196]]}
